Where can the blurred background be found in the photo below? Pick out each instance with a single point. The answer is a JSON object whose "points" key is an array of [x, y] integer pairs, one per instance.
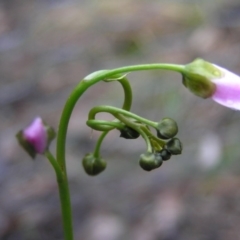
{"points": [[47, 47]]}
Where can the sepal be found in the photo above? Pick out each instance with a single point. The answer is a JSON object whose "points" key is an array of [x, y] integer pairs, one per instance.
{"points": [[198, 75], [167, 128]]}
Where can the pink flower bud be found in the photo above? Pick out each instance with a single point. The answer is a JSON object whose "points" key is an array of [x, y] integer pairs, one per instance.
{"points": [[36, 138], [227, 90], [208, 80], [36, 135]]}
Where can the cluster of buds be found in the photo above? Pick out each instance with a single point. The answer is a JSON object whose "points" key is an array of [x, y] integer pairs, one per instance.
{"points": [[161, 150], [160, 147], [166, 132]]}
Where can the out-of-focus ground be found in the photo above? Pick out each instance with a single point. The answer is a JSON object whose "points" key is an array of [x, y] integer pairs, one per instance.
{"points": [[46, 47]]}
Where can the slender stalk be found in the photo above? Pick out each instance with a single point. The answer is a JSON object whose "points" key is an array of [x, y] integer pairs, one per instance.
{"points": [[115, 110], [98, 144], [151, 136], [98, 125], [54, 164], [153, 66], [127, 94], [64, 197]]}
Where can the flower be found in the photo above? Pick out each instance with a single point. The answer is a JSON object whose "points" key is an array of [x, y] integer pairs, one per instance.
{"points": [[36, 135], [206, 80], [36, 138], [227, 91]]}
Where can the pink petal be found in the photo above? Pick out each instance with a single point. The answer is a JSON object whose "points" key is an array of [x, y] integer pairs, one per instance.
{"points": [[227, 89], [36, 135]]}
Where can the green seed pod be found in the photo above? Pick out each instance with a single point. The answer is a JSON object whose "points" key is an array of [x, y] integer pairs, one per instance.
{"points": [[92, 165], [149, 161], [129, 133], [165, 154], [167, 128], [174, 146]]}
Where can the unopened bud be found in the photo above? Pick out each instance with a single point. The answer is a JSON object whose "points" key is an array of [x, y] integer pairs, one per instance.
{"points": [[92, 165], [167, 128], [165, 154], [150, 161], [129, 133], [174, 146], [36, 138]]}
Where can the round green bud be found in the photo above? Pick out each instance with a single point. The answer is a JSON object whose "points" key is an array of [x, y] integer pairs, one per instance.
{"points": [[150, 161], [165, 154], [174, 146], [93, 165], [129, 133], [167, 128]]}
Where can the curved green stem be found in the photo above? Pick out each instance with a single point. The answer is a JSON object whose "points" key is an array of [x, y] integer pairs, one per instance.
{"points": [[63, 126], [64, 197], [152, 136], [96, 152], [54, 164], [115, 110], [106, 126], [153, 66], [127, 94], [98, 124]]}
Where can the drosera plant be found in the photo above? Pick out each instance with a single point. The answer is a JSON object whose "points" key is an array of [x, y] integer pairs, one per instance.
{"points": [[202, 78]]}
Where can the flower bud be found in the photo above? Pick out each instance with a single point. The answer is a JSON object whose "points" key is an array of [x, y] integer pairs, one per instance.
{"points": [[167, 128], [165, 154], [36, 138], [150, 161], [129, 133], [92, 165], [197, 78], [174, 146]]}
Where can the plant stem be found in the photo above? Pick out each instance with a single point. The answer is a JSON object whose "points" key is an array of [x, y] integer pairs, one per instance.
{"points": [[63, 126], [54, 164], [96, 152], [153, 66], [64, 197], [115, 110], [98, 125]]}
